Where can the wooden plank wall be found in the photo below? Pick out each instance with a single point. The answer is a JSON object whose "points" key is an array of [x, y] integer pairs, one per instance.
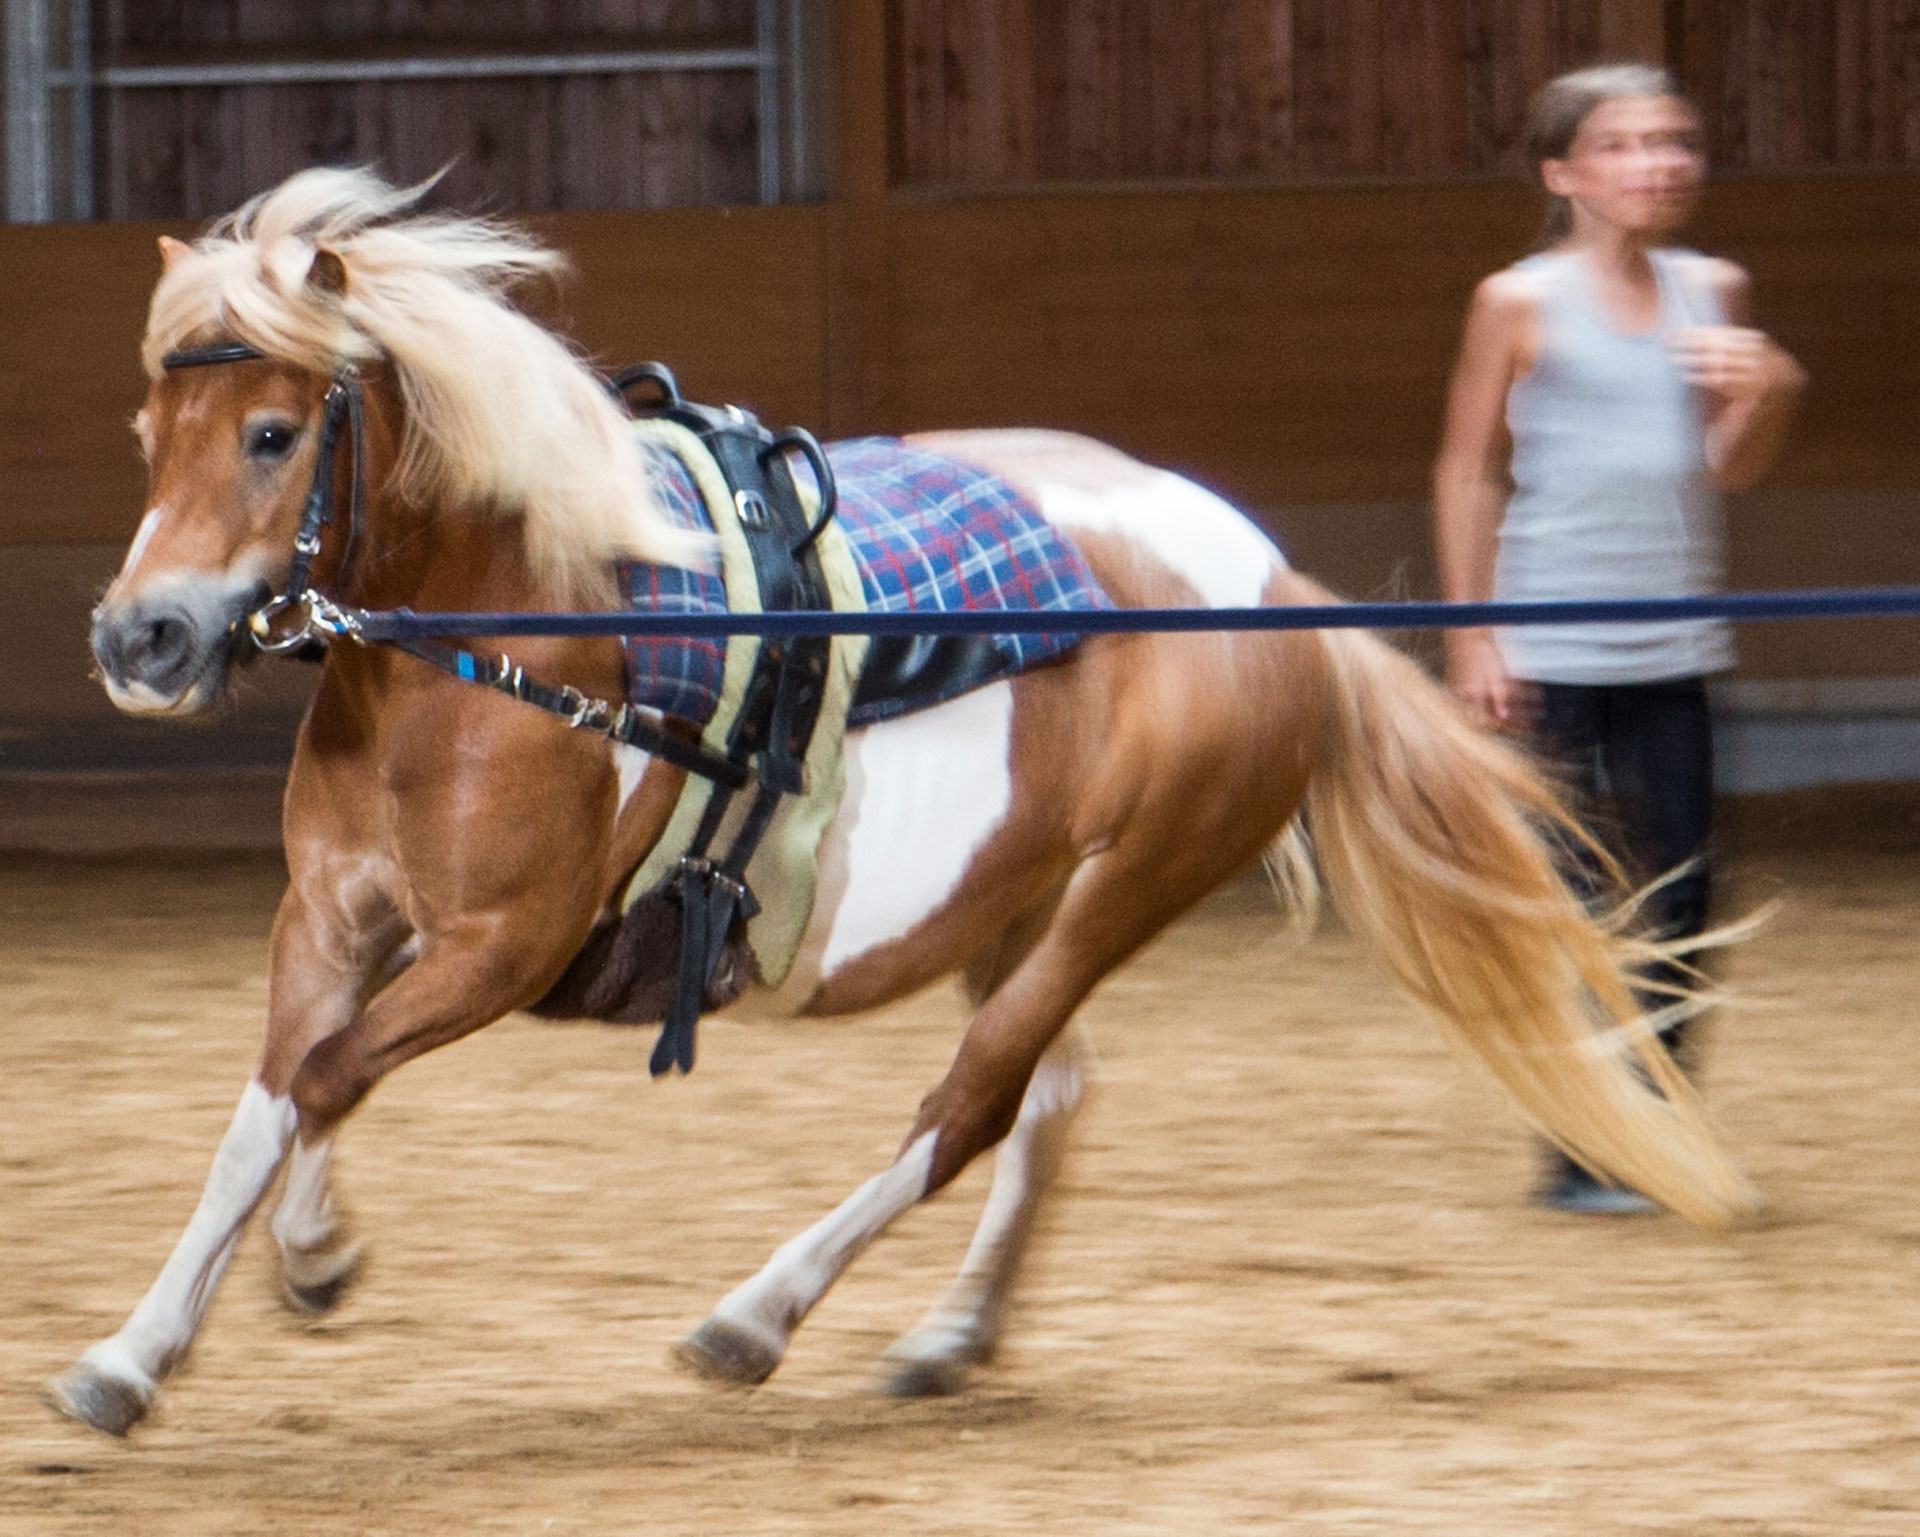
{"points": [[1289, 345], [585, 142], [1296, 341], [1024, 91], [732, 297], [1802, 83], [1020, 92]]}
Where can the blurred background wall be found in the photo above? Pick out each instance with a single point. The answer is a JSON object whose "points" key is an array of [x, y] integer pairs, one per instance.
{"points": [[1233, 236]]}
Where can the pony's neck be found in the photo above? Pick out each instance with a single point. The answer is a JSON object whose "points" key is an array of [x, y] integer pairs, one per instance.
{"points": [[431, 557]]}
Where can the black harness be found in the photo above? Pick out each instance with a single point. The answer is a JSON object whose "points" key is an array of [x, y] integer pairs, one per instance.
{"points": [[767, 744]]}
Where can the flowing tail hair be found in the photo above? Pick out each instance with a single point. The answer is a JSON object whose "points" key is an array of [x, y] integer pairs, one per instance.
{"points": [[1437, 842]]}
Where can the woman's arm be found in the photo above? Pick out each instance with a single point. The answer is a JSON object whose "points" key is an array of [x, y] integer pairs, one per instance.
{"points": [[1470, 483], [1754, 384]]}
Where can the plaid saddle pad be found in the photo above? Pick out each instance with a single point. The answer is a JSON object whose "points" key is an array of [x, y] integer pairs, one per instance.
{"points": [[929, 534]]}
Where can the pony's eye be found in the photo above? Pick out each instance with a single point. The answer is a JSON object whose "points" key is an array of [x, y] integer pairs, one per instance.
{"points": [[271, 441]]}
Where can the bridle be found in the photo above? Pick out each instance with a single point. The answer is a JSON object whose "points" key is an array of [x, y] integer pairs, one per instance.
{"points": [[342, 410], [771, 729], [323, 620]]}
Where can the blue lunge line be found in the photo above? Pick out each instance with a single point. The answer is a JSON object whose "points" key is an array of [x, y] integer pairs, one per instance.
{"points": [[1819, 603]]}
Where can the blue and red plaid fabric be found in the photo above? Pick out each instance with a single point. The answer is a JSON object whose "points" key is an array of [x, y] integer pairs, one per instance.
{"points": [[673, 674], [929, 534]]}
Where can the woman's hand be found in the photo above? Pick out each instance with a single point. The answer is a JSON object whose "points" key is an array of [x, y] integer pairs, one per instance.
{"points": [[1735, 362], [1478, 676]]}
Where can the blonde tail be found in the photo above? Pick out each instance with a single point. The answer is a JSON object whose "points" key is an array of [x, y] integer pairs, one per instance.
{"points": [[1434, 840]]}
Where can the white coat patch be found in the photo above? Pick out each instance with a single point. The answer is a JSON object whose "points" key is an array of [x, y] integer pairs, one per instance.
{"points": [[933, 787], [1186, 527], [631, 765]]}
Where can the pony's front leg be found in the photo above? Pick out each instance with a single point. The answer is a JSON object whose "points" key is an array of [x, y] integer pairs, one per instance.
{"points": [[318, 1256], [112, 1386], [963, 1327], [319, 967]]}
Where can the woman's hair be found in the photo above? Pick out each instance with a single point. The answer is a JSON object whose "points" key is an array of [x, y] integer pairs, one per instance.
{"points": [[1561, 105]]}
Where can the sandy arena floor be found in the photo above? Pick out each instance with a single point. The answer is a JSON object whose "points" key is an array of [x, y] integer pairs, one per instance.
{"points": [[1293, 1284]]}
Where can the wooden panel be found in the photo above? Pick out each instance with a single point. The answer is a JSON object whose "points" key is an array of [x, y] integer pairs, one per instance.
{"points": [[581, 142], [999, 92], [1803, 83], [732, 299]]}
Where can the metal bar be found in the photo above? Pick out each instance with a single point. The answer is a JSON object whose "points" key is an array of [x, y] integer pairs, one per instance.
{"points": [[797, 146], [1816, 603], [80, 104], [766, 37], [633, 61], [29, 113]]}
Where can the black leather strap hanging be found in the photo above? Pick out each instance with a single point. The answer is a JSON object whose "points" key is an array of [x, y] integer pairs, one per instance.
{"points": [[781, 707]]}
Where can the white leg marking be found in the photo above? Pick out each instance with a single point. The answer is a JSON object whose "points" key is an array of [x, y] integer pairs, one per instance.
{"points": [[771, 1305], [933, 788], [312, 1259], [161, 1328], [1184, 526], [963, 1327]]}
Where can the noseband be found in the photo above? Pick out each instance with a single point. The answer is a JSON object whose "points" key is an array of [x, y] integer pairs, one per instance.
{"points": [[342, 410]]}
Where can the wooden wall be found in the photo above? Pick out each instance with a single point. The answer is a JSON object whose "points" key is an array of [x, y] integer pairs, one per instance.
{"points": [[1289, 346], [1023, 91], [636, 141], [1019, 92], [731, 296], [1790, 84]]}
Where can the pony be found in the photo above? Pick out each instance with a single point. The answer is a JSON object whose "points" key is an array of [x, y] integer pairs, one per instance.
{"points": [[451, 852]]}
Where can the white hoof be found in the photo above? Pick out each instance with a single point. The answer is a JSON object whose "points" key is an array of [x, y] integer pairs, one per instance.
{"points": [[929, 1363], [314, 1282], [727, 1353], [103, 1389]]}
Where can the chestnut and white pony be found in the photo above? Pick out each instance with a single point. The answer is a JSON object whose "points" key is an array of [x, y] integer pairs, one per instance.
{"points": [[451, 850]]}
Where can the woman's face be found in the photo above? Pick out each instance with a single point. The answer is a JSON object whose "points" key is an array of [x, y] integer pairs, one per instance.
{"points": [[1635, 165]]}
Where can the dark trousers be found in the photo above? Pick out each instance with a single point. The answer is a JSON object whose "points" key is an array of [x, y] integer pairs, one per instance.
{"points": [[1644, 751]]}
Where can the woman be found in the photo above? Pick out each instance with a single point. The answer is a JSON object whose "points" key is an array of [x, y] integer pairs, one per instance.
{"points": [[1608, 389]]}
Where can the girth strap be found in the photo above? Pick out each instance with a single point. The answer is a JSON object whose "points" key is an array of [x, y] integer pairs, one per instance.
{"points": [[781, 707]]}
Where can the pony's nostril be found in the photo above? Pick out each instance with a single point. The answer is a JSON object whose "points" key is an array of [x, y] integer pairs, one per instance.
{"points": [[164, 643], [151, 648]]}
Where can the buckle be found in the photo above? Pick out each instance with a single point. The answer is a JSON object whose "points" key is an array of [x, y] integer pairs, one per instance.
{"points": [[752, 509], [579, 709], [329, 618]]}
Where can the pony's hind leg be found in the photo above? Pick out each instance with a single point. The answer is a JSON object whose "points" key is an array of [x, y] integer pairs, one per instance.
{"points": [[1117, 899], [963, 1328]]}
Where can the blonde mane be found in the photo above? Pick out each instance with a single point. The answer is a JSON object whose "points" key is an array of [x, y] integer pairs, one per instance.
{"points": [[501, 415]]}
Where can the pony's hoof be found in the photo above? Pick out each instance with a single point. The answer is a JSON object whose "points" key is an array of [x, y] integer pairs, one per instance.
{"points": [[928, 1377], [314, 1284], [725, 1353], [94, 1396]]}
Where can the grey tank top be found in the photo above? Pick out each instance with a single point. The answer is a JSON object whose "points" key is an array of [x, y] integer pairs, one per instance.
{"points": [[1612, 495]]}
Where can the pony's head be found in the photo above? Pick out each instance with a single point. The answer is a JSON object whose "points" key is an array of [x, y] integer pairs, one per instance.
{"points": [[334, 272]]}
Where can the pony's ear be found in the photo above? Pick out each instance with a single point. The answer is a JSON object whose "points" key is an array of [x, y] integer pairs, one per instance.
{"points": [[327, 273], [171, 251]]}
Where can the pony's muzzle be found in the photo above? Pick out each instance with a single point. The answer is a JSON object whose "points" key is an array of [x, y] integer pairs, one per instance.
{"points": [[166, 654]]}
